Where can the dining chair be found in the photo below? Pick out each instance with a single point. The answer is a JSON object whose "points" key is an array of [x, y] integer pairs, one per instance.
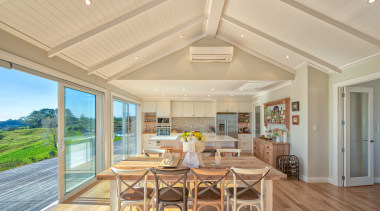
{"points": [[134, 194], [234, 152], [150, 152], [247, 195], [169, 194], [209, 194]]}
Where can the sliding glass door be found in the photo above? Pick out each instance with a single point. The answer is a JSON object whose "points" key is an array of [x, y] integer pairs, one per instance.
{"points": [[125, 127], [78, 132]]}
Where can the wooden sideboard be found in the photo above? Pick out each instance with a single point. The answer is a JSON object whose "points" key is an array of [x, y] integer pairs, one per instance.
{"points": [[268, 151]]}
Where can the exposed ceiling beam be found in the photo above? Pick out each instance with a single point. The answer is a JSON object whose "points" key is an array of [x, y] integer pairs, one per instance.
{"points": [[215, 9], [281, 43], [148, 43], [162, 55], [93, 32], [333, 22], [255, 53]]}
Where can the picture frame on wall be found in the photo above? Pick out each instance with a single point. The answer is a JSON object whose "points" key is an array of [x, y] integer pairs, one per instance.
{"points": [[296, 106], [295, 119]]}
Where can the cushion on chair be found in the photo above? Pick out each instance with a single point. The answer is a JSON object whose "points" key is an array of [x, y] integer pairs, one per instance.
{"points": [[172, 196], [132, 195], [209, 195], [247, 195]]}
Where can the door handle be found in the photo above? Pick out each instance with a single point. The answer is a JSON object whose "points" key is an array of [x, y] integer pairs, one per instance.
{"points": [[372, 141]]}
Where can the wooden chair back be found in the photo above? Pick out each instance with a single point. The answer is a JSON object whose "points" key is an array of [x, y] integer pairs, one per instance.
{"points": [[149, 152], [232, 151]]}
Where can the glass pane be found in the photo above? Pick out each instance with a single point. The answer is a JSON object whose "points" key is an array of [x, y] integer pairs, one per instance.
{"points": [[132, 144], [119, 141], [80, 138], [257, 121], [359, 134]]}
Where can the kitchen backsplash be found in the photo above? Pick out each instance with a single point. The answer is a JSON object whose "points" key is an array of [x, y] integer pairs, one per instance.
{"points": [[198, 123]]}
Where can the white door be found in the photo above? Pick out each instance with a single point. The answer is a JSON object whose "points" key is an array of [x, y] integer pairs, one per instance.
{"points": [[358, 156]]}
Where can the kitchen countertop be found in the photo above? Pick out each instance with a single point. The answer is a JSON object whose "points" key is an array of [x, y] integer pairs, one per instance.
{"points": [[209, 138]]}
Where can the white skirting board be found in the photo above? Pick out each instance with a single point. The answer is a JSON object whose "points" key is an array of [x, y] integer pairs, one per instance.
{"points": [[318, 180], [377, 179]]}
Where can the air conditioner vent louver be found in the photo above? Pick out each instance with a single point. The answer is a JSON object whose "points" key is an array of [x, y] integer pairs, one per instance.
{"points": [[211, 54]]}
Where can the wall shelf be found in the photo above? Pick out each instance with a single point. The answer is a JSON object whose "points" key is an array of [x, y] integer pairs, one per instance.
{"points": [[277, 112]]}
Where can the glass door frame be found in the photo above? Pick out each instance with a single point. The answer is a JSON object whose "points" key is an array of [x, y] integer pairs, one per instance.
{"points": [[99, 104], [365, 180]]}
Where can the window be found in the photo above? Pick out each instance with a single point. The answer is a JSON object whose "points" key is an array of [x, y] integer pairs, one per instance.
{"points": [[125, 130]]}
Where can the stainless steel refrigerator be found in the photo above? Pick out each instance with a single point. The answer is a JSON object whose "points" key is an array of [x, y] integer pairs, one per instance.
{"points": [[227, 124]]}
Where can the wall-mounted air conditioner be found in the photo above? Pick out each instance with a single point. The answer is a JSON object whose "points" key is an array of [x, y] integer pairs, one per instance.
{"points": [[211, 54]]}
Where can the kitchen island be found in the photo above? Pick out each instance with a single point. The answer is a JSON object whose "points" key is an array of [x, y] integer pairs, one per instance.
{"points": [[212, 141]]}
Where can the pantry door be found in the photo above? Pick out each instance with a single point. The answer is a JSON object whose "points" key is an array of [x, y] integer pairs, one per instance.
{"points": [[359, 143]]}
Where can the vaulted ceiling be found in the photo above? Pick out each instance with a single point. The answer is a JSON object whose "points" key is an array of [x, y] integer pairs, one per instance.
{"points": [[111, 38]]}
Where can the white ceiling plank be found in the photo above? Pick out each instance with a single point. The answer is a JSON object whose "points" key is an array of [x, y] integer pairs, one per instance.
{"points": [[281, 43], [162, 55], [148, 43], [257, 54], [333, 22], [215, 9], [74, 41]]}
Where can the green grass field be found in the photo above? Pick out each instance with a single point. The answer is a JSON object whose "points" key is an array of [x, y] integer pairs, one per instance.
{"points": [[25, 146]]}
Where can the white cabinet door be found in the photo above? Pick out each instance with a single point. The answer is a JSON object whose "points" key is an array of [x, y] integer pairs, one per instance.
{"points": [[149, 107], [163, 109], [188, 109], [221, 107], [177, 110], [232, 107], [199, 109], [209, 108], [244, 107]]}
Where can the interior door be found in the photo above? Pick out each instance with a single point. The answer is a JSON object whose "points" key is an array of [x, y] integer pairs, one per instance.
{"points": [[359, 154]]}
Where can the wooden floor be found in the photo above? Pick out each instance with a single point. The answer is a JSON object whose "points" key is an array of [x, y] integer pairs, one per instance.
{"points": [[288, 195]]}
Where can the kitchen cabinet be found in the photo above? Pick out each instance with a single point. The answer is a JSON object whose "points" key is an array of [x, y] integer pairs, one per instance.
{"points": [[177, 110], [245, 107], [146, 144], [209, 109], [163, 109], [188, 109], [245, 142], [229, 106], [199, 109], [149, 106]]}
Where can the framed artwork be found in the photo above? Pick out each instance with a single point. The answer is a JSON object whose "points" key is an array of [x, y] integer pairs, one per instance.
{"points": [[295, 119], [296, 106]]}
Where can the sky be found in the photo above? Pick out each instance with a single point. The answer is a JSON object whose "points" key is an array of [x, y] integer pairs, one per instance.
{"points": [[21, 93]]}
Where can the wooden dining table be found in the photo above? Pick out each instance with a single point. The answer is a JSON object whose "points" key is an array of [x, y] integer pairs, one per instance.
{"points": [[246, 162]]}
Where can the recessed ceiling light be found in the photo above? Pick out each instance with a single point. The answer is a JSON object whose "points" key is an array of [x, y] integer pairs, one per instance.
{"points": [[155, 89], [88, 2], [231, 95], [208, 95], [136, 57], [183, 89], [242, 35], [181, 36], [162, 95], [212, 89], [287, 56], [241, 89], [371, 1], [185, 95]]}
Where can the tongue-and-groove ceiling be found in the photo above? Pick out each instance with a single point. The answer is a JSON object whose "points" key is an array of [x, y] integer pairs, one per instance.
{"points": [[111, 38]]}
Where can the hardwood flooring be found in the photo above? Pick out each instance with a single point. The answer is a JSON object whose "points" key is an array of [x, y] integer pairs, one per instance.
{"points": [[288, 195]]}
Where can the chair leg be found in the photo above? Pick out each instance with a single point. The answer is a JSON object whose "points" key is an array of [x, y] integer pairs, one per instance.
{"points": [[228, 203]]}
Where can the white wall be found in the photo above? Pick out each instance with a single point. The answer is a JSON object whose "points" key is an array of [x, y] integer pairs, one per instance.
{"points": [[376, 120], [176, 66], [298, 91]]}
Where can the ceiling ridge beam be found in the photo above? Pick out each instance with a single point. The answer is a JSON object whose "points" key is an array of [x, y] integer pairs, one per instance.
{"points": [[257, 54], [215, 10], [148, 43], [353, 32], [170, 51], [281, 43], [93, 32]]}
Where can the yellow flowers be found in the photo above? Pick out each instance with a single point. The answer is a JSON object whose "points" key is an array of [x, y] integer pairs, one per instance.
{"points": [[198, 135]]}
